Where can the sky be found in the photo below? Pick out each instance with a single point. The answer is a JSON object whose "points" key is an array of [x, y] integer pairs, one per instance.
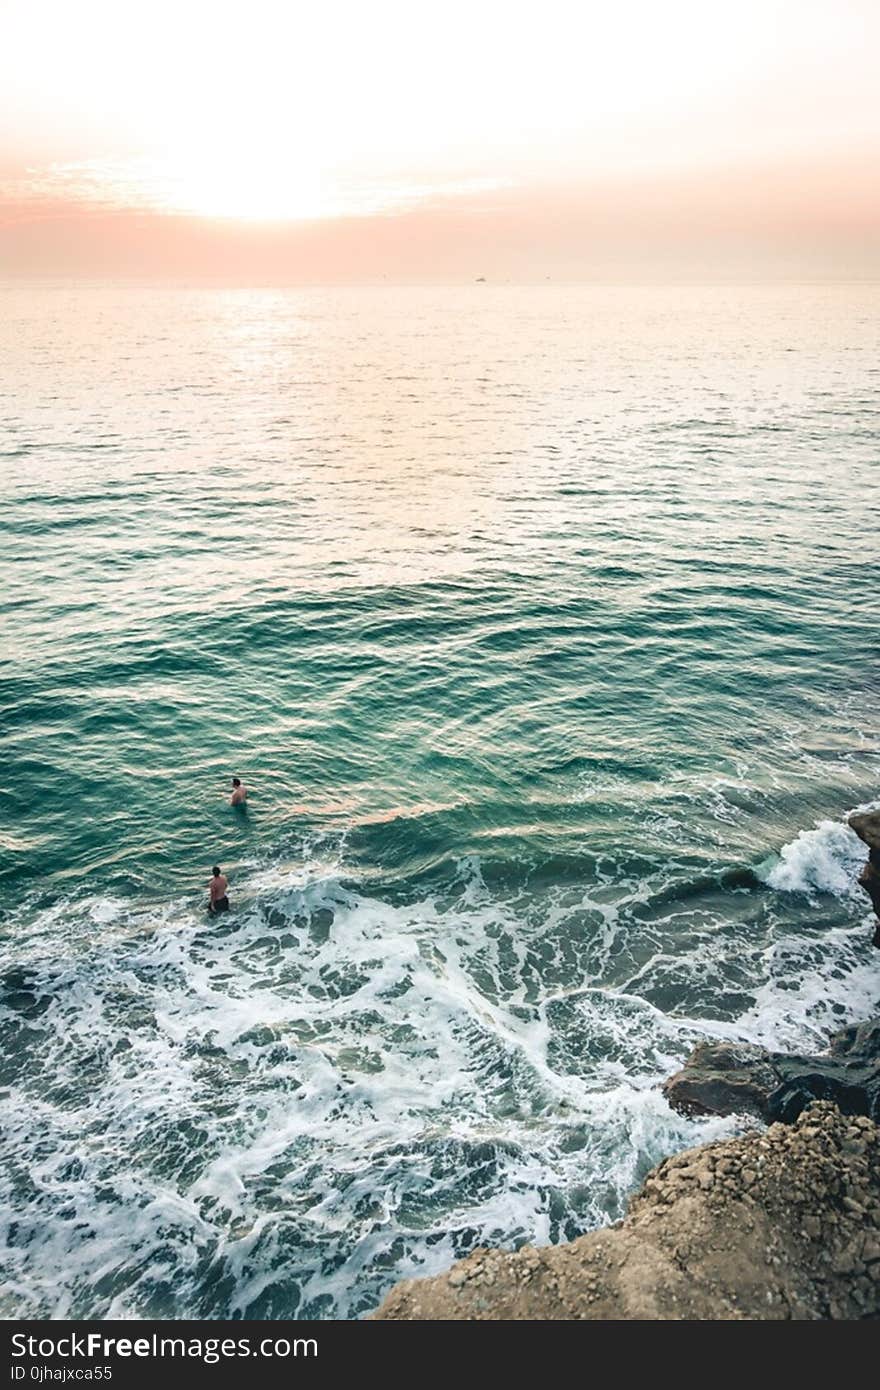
{"points": [[384, 139]]}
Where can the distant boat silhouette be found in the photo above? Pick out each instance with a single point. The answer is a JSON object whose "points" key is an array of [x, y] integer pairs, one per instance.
{"points": [[480, 280]]}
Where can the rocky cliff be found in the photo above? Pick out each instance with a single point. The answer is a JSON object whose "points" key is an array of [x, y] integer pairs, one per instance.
{"points": [[782, 1223]]}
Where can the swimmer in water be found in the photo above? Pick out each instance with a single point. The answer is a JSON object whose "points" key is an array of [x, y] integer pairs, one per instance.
{"points": [[239, 793], [217, 899]]}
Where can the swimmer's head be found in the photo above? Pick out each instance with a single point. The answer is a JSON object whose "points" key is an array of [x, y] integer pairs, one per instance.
{"points": [[216, 871], [236, 781]]}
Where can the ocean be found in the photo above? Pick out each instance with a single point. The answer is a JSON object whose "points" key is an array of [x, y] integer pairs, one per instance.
{"points": [[541, 624]]}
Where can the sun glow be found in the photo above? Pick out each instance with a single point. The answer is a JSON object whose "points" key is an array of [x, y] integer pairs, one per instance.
{"points": [[278, 110], [251, 184], [245, 186]]}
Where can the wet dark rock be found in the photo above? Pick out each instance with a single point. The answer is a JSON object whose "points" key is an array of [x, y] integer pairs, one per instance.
{"points": [[860, 1039], [723, 1079], [737, 1078], [866, 824]]}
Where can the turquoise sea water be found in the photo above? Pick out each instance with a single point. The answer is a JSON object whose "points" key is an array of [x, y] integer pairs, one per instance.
{"points": [[541, 625]]}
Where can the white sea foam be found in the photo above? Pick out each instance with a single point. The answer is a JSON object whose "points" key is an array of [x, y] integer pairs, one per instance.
{"points": [[281, 1112], [812, 986], [825, 859], [310, 1103]]}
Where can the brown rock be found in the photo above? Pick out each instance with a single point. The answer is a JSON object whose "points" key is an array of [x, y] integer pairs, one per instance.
{"points": [[866, 824], [723, 1079]]}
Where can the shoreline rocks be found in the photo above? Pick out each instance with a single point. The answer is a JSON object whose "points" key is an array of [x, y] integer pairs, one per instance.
{"points": [[866, 825], [782, 1223], [778, 1224], [737, 1078]]}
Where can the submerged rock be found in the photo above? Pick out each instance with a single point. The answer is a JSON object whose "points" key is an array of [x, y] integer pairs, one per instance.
{"points": [[735, 1078], [860, 1040], [774, 1225]]}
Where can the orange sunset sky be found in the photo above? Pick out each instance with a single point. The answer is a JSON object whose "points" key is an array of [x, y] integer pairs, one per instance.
{"points": [[426, 141]]}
